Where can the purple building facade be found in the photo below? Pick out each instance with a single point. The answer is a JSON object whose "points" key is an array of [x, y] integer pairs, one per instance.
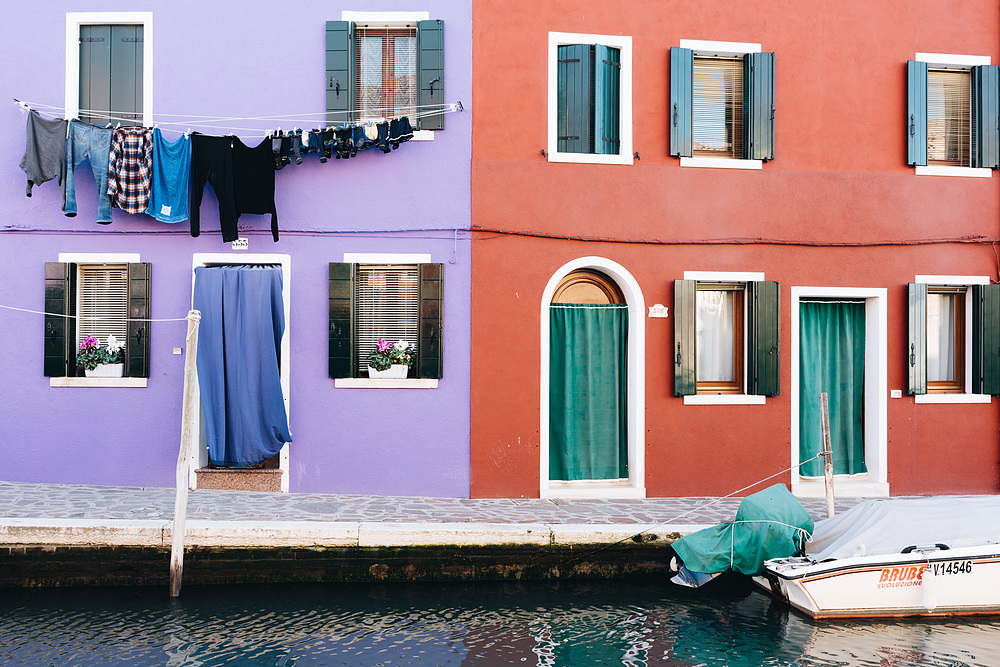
{"points": [[246, 68]]}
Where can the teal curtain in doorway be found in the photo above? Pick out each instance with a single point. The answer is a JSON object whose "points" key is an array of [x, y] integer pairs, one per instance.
{"points": [[587, 419], [832, 360]]}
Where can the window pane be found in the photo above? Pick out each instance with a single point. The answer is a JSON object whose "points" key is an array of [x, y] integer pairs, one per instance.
{"points": [[718, 107], [941, 337], [387, 72], [388, 307], [716, 335], [948, 117], [103, 295]]}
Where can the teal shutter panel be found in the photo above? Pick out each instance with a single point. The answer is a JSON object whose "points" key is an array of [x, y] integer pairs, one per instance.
{"points": [[986, 116], [341, 355], [430, 348], [111, 74], [681, 100], [137, 346], [916, 113], [340, 86], [763, 346], [573, 124], [916, 348], [683, 353], [95, 73], [126, 74], [986, 339], [59, 348], [758, 106], [430, 47], [607, 96]]}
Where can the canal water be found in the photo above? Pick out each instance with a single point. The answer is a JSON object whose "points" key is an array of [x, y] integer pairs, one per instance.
{"points": [[576, 624]]}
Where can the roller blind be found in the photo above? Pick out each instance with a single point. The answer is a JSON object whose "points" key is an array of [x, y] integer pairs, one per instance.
{"points": [[718, 107], [948, 117], [103, 294], [387, 302]]}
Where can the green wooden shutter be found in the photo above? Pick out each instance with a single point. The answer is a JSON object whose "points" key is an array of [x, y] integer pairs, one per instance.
{"points": [[430, 61], [340, 85], [916, 348], [758, 106], [341, 355], [95, 73], [986, 339], [137, 345], [126, 74], [684, 352], [59, 348], [574, 118], [986, 116], [916, 113], [607, 97], [430, 348], [681, 100], [763, 348]]}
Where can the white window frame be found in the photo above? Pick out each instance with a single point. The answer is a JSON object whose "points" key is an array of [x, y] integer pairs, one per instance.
{"points": [[374, 383], [952, 60], [199, 458], [874, 483], [624, 45], [97, 258], [728, 277], [960, 281], [708, 48], [73, 22], [390, 20]]}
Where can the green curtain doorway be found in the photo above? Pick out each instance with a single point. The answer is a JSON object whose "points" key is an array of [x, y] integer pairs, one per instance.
{"points": [[832, 360], [588, 438]]}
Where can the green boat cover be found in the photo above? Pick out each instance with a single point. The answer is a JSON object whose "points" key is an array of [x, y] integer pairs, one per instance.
{"points": [[769, 524]]}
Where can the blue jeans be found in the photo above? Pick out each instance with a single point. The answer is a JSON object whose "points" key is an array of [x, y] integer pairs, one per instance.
{"points": [[94, 143]]}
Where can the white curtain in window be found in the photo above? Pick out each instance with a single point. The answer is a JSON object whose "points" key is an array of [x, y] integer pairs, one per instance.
{"points": [[940, 337], [716, 336]]}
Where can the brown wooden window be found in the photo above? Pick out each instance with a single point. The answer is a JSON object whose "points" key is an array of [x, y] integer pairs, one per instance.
{"points": [[945, 340], [949, 117], [719, 338], [387, 73], [718, 107]]}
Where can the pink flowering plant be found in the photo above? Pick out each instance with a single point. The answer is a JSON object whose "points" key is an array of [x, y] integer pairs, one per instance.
{"points": [[92, 353], [386, 354]]}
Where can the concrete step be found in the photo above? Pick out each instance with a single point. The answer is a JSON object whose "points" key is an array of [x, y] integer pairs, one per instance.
{"points": [[239, 479]]}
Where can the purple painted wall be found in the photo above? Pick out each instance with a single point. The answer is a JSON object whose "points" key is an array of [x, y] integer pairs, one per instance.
{"points": [[246, 58]]}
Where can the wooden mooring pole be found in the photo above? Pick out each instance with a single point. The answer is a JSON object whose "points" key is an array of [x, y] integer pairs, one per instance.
{"points": [[189, 431], [824, 410]]}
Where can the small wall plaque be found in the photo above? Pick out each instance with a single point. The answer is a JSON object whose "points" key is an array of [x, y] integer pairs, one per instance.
{"points": [[241, 244], [658, 310]]}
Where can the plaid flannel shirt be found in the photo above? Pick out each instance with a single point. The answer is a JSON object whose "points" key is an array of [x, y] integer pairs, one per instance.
{"points": [[130, 168]]}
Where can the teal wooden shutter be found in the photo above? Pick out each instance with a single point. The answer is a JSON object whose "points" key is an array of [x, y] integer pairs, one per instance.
{"points": [[916, 348], [95, 73], [430, 348], [60, 300], [763, 348], [573, 74], [137, 346], [340, 85], [111, 59], [126, 74], [986, 116], [758, 106], [341, 354], [986, 339], [607, 96], [916, 113], [430, 61], [683, 354], [681, 100]]}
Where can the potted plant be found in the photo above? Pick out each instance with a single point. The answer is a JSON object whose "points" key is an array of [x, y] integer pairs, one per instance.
{"points": [[390, 361], [98, 360]]}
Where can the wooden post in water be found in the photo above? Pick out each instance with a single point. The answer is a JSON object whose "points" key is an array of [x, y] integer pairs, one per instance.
{"points": [[824, 410], [189, 432]]}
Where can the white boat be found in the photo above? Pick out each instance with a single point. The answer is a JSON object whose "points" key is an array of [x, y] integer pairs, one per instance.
{"points": [[897, 557]]}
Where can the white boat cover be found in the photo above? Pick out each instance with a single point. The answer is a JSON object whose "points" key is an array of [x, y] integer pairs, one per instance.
{"points": [[887, 526]]}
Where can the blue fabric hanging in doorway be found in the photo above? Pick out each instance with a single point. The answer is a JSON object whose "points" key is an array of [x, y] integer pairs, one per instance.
{"points": [[242, 321]]}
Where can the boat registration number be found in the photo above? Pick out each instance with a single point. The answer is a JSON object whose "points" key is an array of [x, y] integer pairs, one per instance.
{"points": [[952, 567]]}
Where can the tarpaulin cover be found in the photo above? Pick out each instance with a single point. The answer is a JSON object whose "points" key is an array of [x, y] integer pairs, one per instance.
{"points": [[887, 526], [769, 524]]}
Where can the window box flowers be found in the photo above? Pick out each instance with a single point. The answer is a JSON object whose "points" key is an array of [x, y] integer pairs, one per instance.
{"points": [[98, 360], [390, 361]]}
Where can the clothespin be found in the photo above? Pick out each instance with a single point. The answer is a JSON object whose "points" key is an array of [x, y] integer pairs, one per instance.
{"points": [[187, 133]]}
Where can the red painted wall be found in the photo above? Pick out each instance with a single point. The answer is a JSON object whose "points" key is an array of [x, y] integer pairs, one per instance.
{"points": [[839, 176]]}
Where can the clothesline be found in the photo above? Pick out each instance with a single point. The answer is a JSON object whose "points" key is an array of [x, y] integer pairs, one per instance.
{"points": [[94, 318]]}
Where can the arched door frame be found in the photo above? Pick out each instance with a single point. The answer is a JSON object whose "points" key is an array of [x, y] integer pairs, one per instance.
{"points": [[635, 388]]}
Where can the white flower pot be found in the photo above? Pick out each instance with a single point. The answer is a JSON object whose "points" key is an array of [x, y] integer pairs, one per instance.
{"points": [[394, 372], [107, 371]]}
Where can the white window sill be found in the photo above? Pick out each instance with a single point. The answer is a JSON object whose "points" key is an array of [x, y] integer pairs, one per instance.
{"points": [[967, 172], [591, 158], [721, 163], [423, 135], [367, 383], [725, 399], [97, 382], [843, 487], [588, 489], [952, 398]]}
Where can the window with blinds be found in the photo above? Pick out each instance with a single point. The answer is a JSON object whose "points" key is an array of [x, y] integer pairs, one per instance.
{"points": [[387, 73], [717, 107], [387, 306], [949, 116], [102, 302]]}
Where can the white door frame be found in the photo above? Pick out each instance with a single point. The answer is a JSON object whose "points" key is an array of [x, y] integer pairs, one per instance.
{"points": [[635, 390]]}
